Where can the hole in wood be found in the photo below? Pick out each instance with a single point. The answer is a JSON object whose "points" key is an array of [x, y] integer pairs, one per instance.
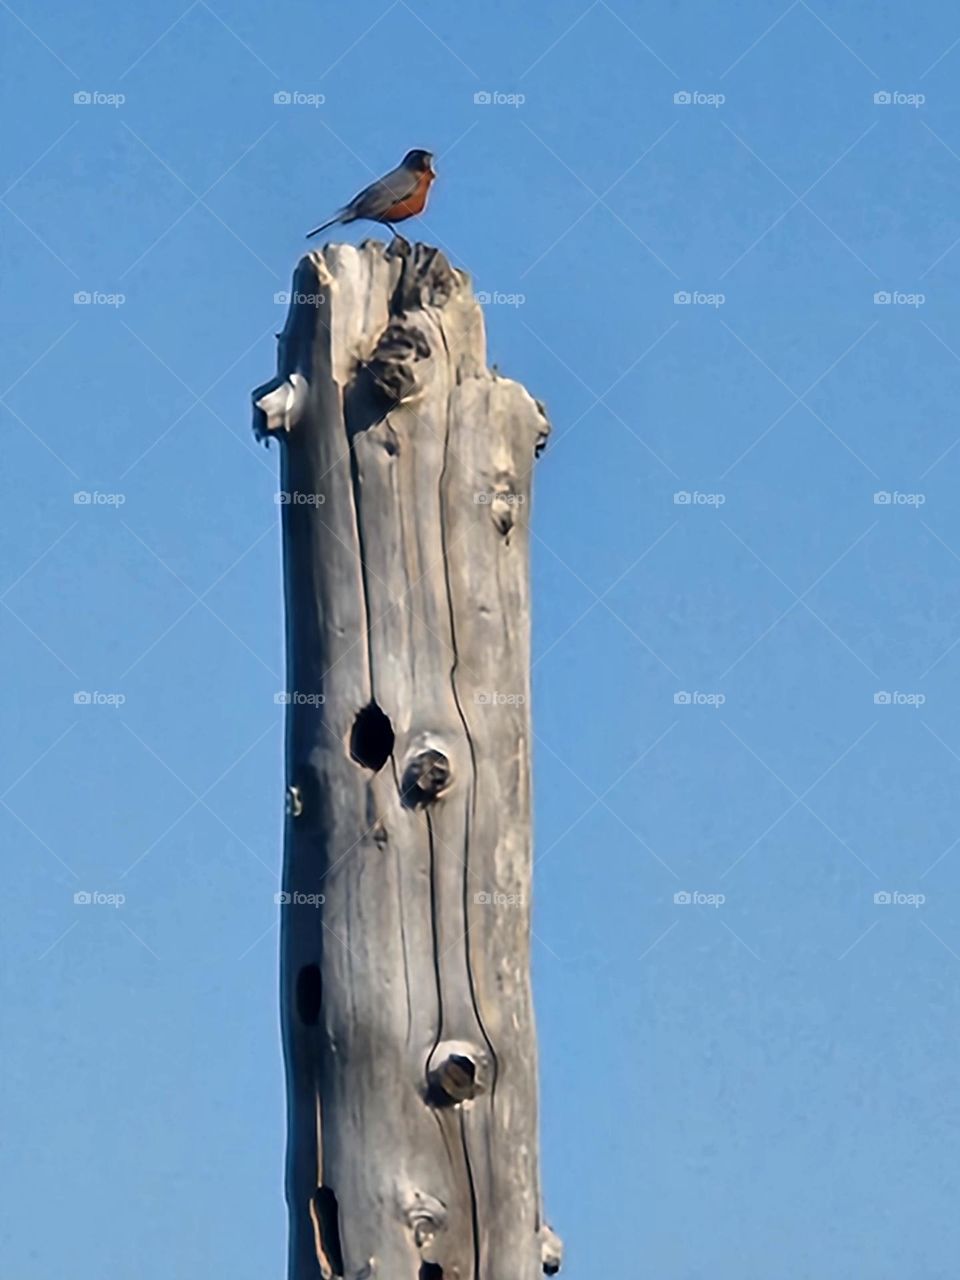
{"points": [[431, 1271], [309, 995], [371, 741], [328, 1220], [425, 777], [457, 1072], [453, 1082]]}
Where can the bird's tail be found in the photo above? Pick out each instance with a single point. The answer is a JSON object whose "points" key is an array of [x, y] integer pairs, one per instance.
{"points": [[323, 226]]}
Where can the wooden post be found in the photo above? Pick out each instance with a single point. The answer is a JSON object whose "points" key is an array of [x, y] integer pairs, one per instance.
{"points": [[405, 988]]}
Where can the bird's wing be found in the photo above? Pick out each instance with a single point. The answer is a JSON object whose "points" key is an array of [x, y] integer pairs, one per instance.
{"points": [[375, 200]]}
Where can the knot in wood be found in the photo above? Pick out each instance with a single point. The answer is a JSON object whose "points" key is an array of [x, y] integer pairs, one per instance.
{"points": [[426, 776], [458, 1071], [423, 1213], [427, 280], [551, 1250], [504, 503], [392, 367]]}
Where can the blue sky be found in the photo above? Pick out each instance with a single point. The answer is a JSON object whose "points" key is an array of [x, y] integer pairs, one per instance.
{"points": [[746, 570]]}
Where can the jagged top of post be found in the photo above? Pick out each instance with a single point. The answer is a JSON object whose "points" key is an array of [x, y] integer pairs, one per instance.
{"points": [[420, 274], [367, 298]]}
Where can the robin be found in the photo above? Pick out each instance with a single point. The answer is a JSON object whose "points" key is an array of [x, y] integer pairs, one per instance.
{"points": [[399, 194]]}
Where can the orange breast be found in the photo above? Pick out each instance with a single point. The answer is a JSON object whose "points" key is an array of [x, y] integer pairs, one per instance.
{"points": [[414, 202]]}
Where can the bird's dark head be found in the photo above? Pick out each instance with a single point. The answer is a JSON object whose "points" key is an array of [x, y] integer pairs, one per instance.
{"points": [[418, 161]]}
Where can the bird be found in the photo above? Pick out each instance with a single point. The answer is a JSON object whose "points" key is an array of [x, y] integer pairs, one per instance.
{"points": [[399, 194]]}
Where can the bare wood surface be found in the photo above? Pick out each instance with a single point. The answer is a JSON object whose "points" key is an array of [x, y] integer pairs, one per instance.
{"points": [[405, 988]]}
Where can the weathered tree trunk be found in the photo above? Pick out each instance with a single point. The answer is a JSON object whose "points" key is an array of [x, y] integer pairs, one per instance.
{"points": [[407, 1016]]}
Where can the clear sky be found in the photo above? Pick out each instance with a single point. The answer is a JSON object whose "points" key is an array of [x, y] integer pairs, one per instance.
{"points": [[749, 697]]}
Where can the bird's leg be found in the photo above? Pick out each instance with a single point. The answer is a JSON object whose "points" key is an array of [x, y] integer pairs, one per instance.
{"points": [[395, 234]]}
